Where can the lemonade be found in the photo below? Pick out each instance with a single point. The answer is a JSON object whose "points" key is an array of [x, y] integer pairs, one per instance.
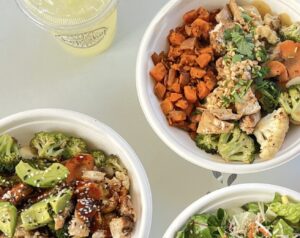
{"points": [[83, 27]]}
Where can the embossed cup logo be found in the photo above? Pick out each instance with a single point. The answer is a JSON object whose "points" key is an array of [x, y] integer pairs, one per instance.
{"points": [[84, 40]]}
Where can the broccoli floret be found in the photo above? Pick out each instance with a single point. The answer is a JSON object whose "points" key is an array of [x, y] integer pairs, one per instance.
{"points": [[268, 94], [99, 158], [113, 162], [9, 153], [236, 146], [75, 146], [208, 143], [290, 101], [49, 145], [291, 32]]}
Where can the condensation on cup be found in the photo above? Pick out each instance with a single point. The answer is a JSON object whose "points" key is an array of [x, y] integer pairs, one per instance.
{"points": [[83, 27]]}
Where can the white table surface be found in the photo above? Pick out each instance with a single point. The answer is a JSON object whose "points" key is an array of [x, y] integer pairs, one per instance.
{"points": [[35, 72]]}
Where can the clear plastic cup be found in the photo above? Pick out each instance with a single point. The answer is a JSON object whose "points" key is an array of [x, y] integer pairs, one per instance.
{"points": [[84, 27]]}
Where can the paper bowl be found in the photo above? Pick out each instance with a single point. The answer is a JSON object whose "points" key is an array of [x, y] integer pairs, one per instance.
{"points": [[23, 126], [229, 197], [154, 40]]}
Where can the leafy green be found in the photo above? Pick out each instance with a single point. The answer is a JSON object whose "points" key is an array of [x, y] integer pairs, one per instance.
{"points": [[289, 211], [261, 55], [283, 229], [268, 94], [237, 58]]}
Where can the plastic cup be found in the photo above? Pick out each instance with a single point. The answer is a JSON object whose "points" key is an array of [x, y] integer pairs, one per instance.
{"points": [[82, 27]]}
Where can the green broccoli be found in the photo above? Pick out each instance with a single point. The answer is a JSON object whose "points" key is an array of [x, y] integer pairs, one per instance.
{"points": [[208, 143], [236, 146], [109, 163], [268, 94], [49, 145], [75, 146], [291, 32], [99, 158], [9, 153], [290, 101]]}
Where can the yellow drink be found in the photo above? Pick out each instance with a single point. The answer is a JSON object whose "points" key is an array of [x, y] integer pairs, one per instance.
{"points": [[84, 27]]}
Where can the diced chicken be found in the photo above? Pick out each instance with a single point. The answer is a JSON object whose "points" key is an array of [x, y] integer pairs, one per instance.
{"points": [[224, 114], [78, 228], [217, 37], [272, 21], [100, 234], [22, 233], [59, 220], [236, 12], [265, 32], [254, 13], [248, 105], [249, 122], [123, 177], [121, 227], [113, 184], [109, 205], [209, 124], [126, 207], [224, 15], [17, 194], [93, 175]]}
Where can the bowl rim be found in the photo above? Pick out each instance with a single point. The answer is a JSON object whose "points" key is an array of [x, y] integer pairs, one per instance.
{"points": [[197, 205], [164, 132], [80, 118]]}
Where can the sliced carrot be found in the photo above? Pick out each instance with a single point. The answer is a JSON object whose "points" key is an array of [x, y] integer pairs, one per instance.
{"points": [[166, 106], [174, 97], [203, 14], [202, 90], [288, 49], [264, 232], [160, 90], [190, 16], [177, 116], [204, 59], [277, 69], [197, 73], [251, 230], [190, 94], [176, 38], [158, 72], [182, 104]]}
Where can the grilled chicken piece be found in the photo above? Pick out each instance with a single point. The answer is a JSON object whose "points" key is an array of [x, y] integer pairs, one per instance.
{"points": [[248, 123], [225, 114], [17, 194], [209, 124], [272, 21], [236, 12], [78, 228], [126, 207], [217, 37], [248, 105], [224, 16], [121, 227], [100, 234]]}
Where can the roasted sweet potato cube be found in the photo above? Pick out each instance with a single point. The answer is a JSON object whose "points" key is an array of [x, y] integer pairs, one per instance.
{"points": [[190, 94], [188, 59], [166, 106], [201, 28], [208, 50], [190, 16], [175, 87], [203, 14], [174, 97], [197, 73], [155, 58], [202, 90], [160, 90], [158, 72], [189, 109], [182, 104], [203, 60], [177, 116], [176, 38], [193, 126], [210, 80], [171, 77], [174, 52], [184, 78]]}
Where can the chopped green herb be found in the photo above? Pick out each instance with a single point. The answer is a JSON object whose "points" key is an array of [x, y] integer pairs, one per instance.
{"points": [[237, 58]]}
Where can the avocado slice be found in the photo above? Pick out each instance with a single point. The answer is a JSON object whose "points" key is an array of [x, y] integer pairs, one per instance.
{"points": [[41, 178], [39, 214], [36, 216], [61, 200], [8, 218]]}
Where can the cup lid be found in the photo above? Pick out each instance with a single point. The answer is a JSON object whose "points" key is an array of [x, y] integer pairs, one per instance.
{"points": [[65, 13]]}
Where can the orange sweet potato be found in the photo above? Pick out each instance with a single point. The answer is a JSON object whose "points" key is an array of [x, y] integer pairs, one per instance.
{"points": [[166, 106], [203, 14], [288, 49], [176, 38], [160, 90], [175, 87], [177, 116], [190, 16], [293, 64], [158, 72], [174, 97], [200, 28], [197, 73], [182, 104], [204, 59], [202, 90], [210, 80], [190, 94]]}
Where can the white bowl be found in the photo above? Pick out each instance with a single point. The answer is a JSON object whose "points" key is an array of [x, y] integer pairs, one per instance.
{"points": [[229, 197], [154, 40], [23, 126]]}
